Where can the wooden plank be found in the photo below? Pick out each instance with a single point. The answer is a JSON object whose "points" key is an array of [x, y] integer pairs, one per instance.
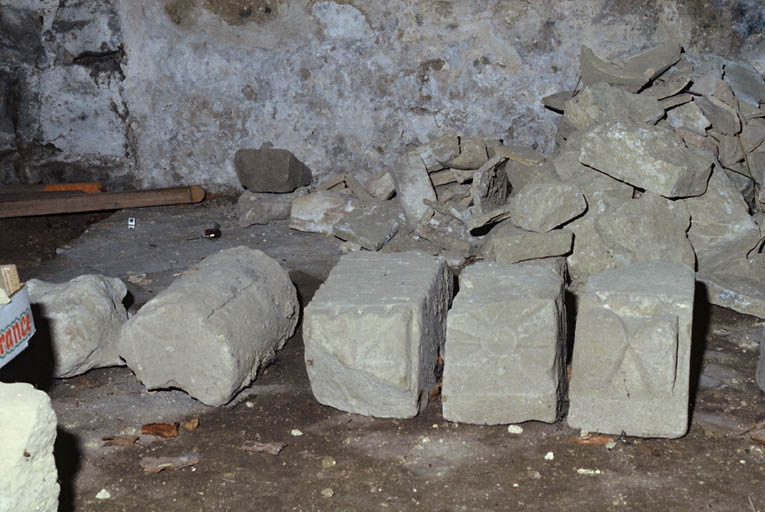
{"points": [[88, 188], [21, 196], [102, 201], [9, 279]]}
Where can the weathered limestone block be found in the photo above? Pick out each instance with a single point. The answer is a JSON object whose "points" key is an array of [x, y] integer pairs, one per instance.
{"points": [[520, 175], [601, 102], [412, 187], [436, 152], [594, 70], [688, 117], [319, 211], [521, 154], [648, 157], [746, 82], [29, 480], [508, 244], [590, 254], [270, 170], [490, 185], [210, 331], [262, 208], [723, 118], [370, 226], [645, 229], [83, 318], [718, 216], [631, 361], [542, 206], [381, 185], [472, 155], [505, 351], [373, 331]]}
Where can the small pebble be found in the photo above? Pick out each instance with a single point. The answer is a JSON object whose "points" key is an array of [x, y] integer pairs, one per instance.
{"points": [[610, 445], [249, 404], [103, 494], [549, 456], [585, 471], [296, 433], [327, 462], [515, 429], [327, 492]]}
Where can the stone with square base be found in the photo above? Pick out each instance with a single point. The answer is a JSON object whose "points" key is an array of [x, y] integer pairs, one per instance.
{"points": [[505, 348], [631, 361], [373, 332]]}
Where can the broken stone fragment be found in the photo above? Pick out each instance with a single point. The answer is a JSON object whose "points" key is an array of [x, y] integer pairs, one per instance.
{"points": [[720, 216], [371, 226], [489, 187], [760, 374], [542, 206], [557, 101], [412, 186], [729, 149], [724, 119], [262, 208], [270, 170], [688, 117], [452, 192], [752, 134], [603, 102], [674, 101], [664, 89], [505, 353], [319, 211], [631, 363], [648, 228], [443, 177], [520, 175], [509, 244], [724, 93], [84, 317], [707, 70], [654, 61], [214, 327], [746, 82], [590, 255], [477, 221], [648, 157], [472, 154], [594, 70], [436, 152], [381, 185], [522, 154], [556, 264], [705, 143], [734, 275]]}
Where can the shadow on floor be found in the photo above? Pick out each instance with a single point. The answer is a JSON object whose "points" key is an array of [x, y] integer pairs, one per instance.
{"points": [[701, 322], [68, 455]]}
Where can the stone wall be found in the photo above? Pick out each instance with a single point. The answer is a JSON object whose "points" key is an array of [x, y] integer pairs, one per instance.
{"points": [[139, 93]]}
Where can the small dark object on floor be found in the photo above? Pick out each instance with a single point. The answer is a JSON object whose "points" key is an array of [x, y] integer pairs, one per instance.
{"points": [[213, 231]]}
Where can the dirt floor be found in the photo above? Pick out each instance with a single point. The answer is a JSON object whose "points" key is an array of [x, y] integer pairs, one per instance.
{"points": [[343, 461]]}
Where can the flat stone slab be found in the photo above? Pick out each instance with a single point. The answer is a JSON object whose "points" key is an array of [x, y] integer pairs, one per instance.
{"points": [[373, 332], [543, 206], [319, 211], [648, 157], [370, 226], [505, 350], [210, 331], [262, 208], [631, 363], [413, 186], [601, 102], [509, 244], [29, 480]]}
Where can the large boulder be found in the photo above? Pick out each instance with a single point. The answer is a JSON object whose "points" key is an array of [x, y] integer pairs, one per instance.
{"points": [[211, 330], [270, 170], [83, 318]]}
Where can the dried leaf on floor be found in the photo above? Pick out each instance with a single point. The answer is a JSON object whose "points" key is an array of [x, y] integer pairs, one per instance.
{"points": [[256, 447], [594, 440], [758, 436], [190, 425], [121, 440], [157, 464], [164, 430]]}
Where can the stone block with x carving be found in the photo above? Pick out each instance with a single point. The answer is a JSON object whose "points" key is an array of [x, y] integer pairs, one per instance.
{"points": [[631, 361]]}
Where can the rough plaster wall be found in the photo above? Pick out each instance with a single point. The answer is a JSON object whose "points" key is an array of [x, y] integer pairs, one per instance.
{"points": [[345, 85]]}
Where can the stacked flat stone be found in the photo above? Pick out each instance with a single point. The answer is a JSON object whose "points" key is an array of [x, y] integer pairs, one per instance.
{"points": [[631, 361], [505, 345], [373, 332]]}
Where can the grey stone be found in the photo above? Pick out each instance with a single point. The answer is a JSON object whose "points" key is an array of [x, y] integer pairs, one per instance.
{"points": [[508, 244], [453, 192], [707, 70], [521, 154], [602, 102], [746, 82], [21, 35], [270, 170], [519, 175], [542, 206], [210, 331], [82, 29], [646, 229], [760, 374], [262, 208], [654, 61], [648, 157], [490, 185], [481, 220], [593, 70], [752, 134], [412, 186], [734, 275], [370, 226], [689, 117], [505, 351], [555, 264], [7, 131], [443, 177], [84, 317], [666, 89], [557, 101], [319, 211], [472, 154], [723, 118], [381, 185], [29, 480], [436, 152], [631, 362], [373, 332], [590, 254], [729, 150], [718, 216]]}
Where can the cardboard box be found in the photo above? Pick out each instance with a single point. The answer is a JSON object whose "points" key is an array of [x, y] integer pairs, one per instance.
{"points": [[16, 326]]}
